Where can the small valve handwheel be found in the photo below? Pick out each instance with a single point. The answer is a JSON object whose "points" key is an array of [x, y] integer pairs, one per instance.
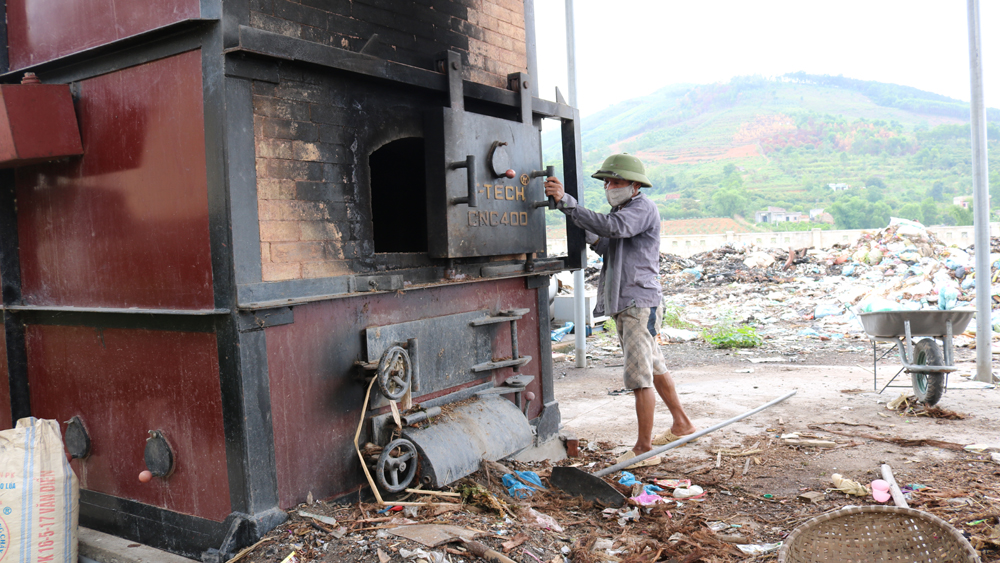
{"points": [[394, 373], [396, 466]]}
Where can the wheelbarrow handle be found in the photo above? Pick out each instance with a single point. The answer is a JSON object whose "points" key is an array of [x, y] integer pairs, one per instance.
{"points": [[688, 438]]}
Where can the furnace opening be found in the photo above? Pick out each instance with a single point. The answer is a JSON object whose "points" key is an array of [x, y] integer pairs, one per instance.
{"points": [[399, 196]]}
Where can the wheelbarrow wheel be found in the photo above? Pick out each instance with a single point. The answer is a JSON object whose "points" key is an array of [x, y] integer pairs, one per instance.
{"points": [[928, 387]]}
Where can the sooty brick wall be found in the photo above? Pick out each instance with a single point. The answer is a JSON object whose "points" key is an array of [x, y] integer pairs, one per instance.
{"points": [[488, 33], [314, 132]]}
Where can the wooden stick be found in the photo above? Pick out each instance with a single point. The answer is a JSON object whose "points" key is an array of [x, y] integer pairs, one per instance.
{"points": [[897, 494]]}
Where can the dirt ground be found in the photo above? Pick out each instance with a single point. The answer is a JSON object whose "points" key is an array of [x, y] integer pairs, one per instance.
{"points": [[751, 479]]}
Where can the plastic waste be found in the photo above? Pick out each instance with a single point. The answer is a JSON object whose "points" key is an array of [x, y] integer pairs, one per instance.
{"points": [[647, 499], [908, 228], [519, 490], [628, 516], [947, 297], [759, 548], [825, 310], [877, 304], [848, 270], [814, 333], [758, 260], [874, 257], [880, 490], [559, 333], [909, 255], [544, 521], [696, 272], [629, 480], [848, 486], [694, 491], [968, 282]]}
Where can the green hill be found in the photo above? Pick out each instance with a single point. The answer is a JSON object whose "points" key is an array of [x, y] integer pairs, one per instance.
{"points": [[734, 148]]}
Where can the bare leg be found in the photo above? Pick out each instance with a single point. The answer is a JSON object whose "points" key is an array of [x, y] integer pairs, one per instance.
{"points": [[664, 384], [645, 405]]}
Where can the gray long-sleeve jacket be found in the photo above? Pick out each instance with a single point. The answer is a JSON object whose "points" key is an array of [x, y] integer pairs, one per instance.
{"points": [[630, 245]]}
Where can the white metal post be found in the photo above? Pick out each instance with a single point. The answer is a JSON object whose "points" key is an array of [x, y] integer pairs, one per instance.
{"points": [[981, 200], [579, 299]]}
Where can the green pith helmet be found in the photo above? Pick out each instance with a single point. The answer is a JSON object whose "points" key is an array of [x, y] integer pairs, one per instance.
{"points": [[625, 167]]}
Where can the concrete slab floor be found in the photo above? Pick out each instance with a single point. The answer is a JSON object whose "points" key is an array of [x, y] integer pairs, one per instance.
{"points": [[98, 547]]}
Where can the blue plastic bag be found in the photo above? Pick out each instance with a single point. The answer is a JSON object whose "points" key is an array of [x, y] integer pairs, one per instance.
{"points": [[519, 490], [628, 480]]}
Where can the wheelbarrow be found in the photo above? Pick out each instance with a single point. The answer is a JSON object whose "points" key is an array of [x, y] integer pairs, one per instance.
{"points": [[924, 361]]}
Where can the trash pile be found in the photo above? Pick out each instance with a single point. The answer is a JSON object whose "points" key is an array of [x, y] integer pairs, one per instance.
{"points": [[724, 506], [900, 267]]}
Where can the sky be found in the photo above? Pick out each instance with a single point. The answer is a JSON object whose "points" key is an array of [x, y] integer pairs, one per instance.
{"points": [[630, 48]]}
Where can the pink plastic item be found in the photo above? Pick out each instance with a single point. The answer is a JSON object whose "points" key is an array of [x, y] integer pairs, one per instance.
{"points": [[880, 490]]}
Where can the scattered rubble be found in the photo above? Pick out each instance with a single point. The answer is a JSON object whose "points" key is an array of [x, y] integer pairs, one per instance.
{"points": [[736, 513]]}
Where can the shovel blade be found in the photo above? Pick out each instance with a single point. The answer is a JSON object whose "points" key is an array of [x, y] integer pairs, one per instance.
{"points": [[580, 483]]}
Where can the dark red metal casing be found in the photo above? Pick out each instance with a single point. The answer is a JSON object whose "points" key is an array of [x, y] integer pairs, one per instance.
{"points": [[123, 383], [127, 224], [309, 434], [37, 123], [41, 30]]}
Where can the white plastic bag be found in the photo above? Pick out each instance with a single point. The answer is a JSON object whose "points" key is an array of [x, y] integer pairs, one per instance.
{"points": [[39, 495]]}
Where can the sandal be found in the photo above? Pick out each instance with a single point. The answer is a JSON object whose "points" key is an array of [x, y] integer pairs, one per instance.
{"points": [[655, 460], [667, 437]]}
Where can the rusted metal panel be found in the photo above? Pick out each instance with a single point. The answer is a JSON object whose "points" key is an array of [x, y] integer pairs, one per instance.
{"points": [[37, 123], [42, 30], [127, 224], [315, 398], [122, 383], [5, 416]]}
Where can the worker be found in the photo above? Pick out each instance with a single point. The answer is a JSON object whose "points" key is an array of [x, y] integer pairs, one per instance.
{"points": [[629, 290]]}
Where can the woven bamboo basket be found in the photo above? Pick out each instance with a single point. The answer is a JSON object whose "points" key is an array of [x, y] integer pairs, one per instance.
{"points": [[870, 534]]}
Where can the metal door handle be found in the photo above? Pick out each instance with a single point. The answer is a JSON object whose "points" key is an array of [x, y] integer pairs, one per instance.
{"points": [[470, 171], [549, 202]]}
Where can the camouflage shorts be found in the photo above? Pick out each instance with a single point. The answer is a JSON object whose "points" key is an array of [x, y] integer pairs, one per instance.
{"points": [[643, 357]]}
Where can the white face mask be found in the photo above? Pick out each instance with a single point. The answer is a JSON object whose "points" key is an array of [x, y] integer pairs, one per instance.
{"points": [[618, 196]]}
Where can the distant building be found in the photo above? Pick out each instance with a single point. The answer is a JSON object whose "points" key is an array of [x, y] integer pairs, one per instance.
{"points": [[779, 215], [672, 196], [962, 201], [813, 213], [839, 187]]}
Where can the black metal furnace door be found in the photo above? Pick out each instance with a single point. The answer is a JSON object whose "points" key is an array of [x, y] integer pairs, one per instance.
{"points": [[483, 176]]}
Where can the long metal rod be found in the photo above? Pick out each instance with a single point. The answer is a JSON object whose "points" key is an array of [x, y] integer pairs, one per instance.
{"points": [[579, 293], [981, 203], [688, 438]]}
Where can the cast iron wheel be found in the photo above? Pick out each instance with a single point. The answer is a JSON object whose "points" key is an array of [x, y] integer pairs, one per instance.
{"points": [[394, 373], [928, 387], [396, 466]]}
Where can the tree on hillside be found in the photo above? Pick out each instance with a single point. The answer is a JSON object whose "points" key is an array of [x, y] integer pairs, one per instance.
{"points": [[876, 182], [729, 201], [910, 211], [929, 210], [960, 215], [873, 194], [852, 212], [937, 191]]}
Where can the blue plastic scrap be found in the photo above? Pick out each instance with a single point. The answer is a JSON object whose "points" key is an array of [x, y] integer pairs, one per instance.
{"points": [[628, 480], [522, 490], [559, 333]]}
